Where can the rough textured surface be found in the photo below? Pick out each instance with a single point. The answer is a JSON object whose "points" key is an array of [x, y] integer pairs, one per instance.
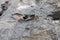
{"points": [[44, 28]]}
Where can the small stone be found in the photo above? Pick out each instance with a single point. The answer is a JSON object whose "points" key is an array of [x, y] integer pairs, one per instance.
{"points": [[17, 16]]}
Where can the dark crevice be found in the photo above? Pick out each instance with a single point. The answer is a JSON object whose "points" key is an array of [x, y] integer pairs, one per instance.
{"points": [[1, 12], [55, 15]]}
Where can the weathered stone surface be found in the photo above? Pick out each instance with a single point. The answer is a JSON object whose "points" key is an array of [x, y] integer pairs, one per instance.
{"points": [[42, 35], [41, 29]]}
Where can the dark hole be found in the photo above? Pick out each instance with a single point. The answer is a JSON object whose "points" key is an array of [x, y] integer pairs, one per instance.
{"points": [[27, 28], [3, 7], [55, 15], [55, 19], [25, 17]]}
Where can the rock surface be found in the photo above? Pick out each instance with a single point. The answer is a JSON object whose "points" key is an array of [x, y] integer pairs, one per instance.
{"points": [[44, 28]]}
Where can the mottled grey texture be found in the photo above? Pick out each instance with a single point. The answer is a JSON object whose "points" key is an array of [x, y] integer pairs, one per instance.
{"points": [[13, 30]]}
